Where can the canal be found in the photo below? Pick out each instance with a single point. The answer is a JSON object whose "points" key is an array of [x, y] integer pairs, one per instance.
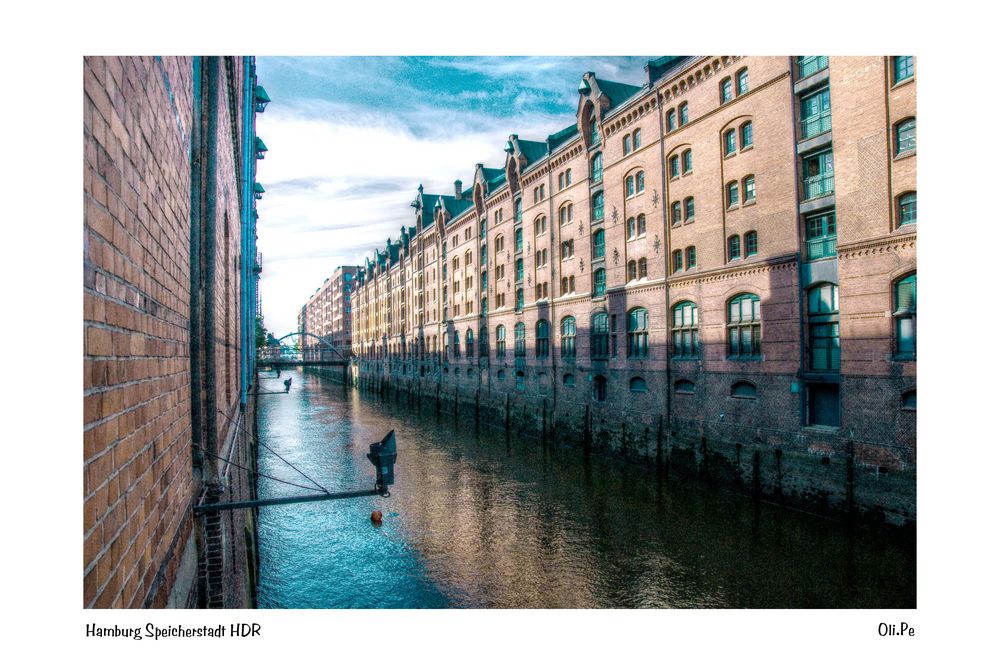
{"points": [[476, 519]]}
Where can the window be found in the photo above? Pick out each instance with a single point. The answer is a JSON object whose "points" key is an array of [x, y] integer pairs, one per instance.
{"points": [[692, 258], [904, 316], [517, 211], [631, 271], [569, 380], [597, 207], [630, 225], [562, 181], [742, 389], [482, 281], [498, 244], [683, 111], [814, 117], [595, 136], [569, 176], [688, 209], [750, 243], [567, 285], [565, 214], [642, 268], [678, 260], [821, 235], [599, 336], [599, 282], [568, 339], [640, 182], [675, 213], [629, 186], [726, 90], [734, 247], [675, 166], [542, 339], [597, 168], [498, 271], [671, 120], [902, 67], [908, 400], [600, 388], [484, 342], [598, 242], [567, 249], [732, 195], [501, 350], [810, 64], [729, 141], [907, 208], [519, 381], [746, 135], [640, 222], [685, 330], [541, 257], [686, 159], [637, 333], [468, 343], [824, 328], [817, 174], [468, 257], [637, 384], [519, 340], [518, 240], [906, 136], [743, 327], [636, 140], [683, 387], [519, 299], [539, 225], [749, 189], [742, 82], [519, 270], [627, 144]]}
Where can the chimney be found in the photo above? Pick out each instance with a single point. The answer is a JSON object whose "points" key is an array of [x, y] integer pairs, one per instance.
{"points": [[458, 190]]}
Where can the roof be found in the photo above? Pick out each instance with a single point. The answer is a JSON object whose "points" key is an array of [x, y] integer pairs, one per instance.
{"points": [[660, 66], [454, 206], [617, 92], [562, 136], [533, 150]]}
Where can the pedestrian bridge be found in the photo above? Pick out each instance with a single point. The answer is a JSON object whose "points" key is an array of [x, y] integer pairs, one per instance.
{"points": [[326, 354]]}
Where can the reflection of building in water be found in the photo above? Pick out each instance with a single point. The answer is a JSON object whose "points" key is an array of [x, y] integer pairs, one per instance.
{"points": [[718, 266]]}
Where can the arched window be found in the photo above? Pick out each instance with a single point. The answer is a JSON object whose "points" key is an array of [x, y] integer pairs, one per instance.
{"points": [[519, 340], [598, 241], [543, 383], [630, 225], [734, 247], [671, 120], [729, 142], [518, 299], [597, 168], [599, 336], [539, 225], [907, 208], [908, 400], [732, 194], [742, 82], [683, 386], [640, 182], [542, 339], [675, 213], [569, 380], [688, 209], [501, 351], [692, 258], [642, 268], [627, 144], [743, 327], [686, 161], [566, 214], [636, 140], [725, 90], [518, 240], [640, 225], [629, 186], [569, 176], [600, 282], [906, 136], [519, 270], [568, 339], [562, 181], [904, 315], [468, 257], [519, 381], [824, 328], [597, 207], [746, 135], [595, 136], [675, 166], [518, 207], [637, 384], [599, 388], [501, 374], [469, 373], [750, 243], [469, 340], [498, 243], [742, 389], [683, 112], [678, 260], [484, 342], [749, 189], [631, 271], [638, 333], [457, 346], [685, 330]]}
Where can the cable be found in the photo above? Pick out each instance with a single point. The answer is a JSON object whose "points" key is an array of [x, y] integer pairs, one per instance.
{"points": [[260, 442], [260, 474]]}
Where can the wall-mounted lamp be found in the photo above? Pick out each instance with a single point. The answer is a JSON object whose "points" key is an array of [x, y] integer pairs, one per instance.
{"points": [[258, 191], [260, 99], [261, 148]]}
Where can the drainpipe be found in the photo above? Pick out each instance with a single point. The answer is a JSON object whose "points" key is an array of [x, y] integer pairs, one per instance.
{"points": [[208, 255], [194, 303], [666, 264], [248, 316]]}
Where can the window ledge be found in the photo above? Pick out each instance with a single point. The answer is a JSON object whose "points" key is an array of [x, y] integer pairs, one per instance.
{"points": [[746, 148], [905, 155], [906, 81], [730, 155], [752, 201]]}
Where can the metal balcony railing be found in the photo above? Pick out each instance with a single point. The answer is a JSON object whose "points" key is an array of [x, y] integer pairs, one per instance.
{"points": [[814, 125], [809, 65], [817, 185], [821, 247]]}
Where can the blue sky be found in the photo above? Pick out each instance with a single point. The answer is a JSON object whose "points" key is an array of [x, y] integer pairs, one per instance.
{"points": [[350, 138]]}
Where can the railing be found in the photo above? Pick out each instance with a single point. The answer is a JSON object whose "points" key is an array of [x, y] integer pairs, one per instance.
{"points": [[821, 247], [258, 265], [817, 185], [815, 125], [809, 65]]}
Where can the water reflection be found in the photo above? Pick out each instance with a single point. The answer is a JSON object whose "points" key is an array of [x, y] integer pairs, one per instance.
{"points": [[480, 519]]}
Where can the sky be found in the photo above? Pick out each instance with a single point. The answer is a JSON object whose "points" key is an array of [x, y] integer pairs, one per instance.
{"points": [[350, 138]]}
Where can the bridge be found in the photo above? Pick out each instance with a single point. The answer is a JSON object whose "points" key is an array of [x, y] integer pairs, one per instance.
{"points": [[276, 355]]}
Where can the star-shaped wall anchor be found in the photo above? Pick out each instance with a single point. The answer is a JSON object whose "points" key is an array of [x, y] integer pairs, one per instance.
{"points": [[579, 229], [656, 243], [655, 198], [614, 215], [508, 255], [529, 279], [615, 255], [581, 265], [527, 246]]}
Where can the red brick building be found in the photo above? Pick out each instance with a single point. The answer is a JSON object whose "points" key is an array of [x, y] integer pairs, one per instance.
{"points": [[327, 314], [716, 269], [170, 274]]}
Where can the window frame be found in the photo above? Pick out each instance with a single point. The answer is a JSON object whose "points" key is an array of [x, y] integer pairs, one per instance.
{"points": [[684, 330], [752, 326]]}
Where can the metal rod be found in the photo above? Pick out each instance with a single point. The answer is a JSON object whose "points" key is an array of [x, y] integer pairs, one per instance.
{"points": [[216, 507]]}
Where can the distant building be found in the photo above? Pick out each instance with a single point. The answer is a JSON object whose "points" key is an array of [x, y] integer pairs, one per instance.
{"points": [[327, 314], [717, 266]]}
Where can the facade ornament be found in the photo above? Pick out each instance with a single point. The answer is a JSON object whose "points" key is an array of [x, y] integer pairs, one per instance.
{"points": [[529, 279], [655, 198], [614, 215], [508, 255], [615, 255], [581, 266], [579, 229], [656, 243], [528, 246]]}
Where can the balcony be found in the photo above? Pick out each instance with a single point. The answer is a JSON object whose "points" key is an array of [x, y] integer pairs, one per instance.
{"points": [[817, 185], [809, 65], [815, 125], [821, 247]]}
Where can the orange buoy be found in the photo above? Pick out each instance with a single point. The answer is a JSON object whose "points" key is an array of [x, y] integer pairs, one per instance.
{"points": [[377, 517]]}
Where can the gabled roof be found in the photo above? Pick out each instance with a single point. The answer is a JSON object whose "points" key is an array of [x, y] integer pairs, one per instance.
{"points": [[562, 136], [495, 177], [617, 92], [659, 67], [533, 150], [454, 206], [426, 209]]}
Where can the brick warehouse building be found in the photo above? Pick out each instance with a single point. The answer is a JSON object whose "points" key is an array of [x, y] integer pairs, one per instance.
{"points": [[327, 314], [170, 292], [716, 269]]}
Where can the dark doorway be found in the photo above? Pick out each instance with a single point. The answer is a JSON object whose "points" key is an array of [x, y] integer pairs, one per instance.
{"points": [[824, 405]]}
